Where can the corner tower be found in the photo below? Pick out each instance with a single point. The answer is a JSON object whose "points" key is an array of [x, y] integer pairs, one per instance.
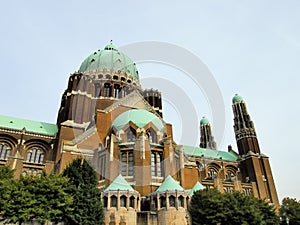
{"points": [[254, 166]]}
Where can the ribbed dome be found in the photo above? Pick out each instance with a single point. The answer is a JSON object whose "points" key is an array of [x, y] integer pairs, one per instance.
{"points": [[204, 121], [139, 117], [237, 98], [109, 58]]}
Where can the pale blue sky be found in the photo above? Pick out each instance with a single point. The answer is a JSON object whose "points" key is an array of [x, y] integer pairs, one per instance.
{"points": [[251, 47]]}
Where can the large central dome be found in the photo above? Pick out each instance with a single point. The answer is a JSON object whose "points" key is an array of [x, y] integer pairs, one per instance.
{"points": [[109, 58]]}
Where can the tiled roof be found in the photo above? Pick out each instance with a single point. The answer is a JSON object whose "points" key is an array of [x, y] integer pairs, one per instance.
{"points": [[169, 184], [119, 184], [30, 125], [209, 153]]}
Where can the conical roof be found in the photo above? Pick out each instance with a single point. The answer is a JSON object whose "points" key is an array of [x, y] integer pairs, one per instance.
{"points": [[169, 184], [119, 184]]}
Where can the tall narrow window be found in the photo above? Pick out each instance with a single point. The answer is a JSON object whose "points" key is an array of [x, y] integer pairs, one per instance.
{"points": [[130, 134], [5, 151], [102, 166], [156, 164], [117, 91], [127, 163], [153, 135], [97, 89], [107, 90]]}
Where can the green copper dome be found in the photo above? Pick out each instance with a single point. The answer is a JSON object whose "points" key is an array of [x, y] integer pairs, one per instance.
{"points": [[139, 117], [109, 58], [204, 121], [237, 98]]}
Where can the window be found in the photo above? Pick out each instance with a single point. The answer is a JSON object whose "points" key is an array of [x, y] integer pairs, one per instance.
{"points": [[117, 91], [35, 155], [156, 164], [181, 201], [153, 135], [131, 202], [130, 134], [107, 90], [5, 151], [172, 201], [230, 176], [97, 89], [162, 200], [212, 173], [123, 200], [105, 201], [127, 163], [102, 166], [113, 201]]}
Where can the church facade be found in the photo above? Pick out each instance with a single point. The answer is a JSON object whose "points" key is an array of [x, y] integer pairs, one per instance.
{"points": [[146, 177]]}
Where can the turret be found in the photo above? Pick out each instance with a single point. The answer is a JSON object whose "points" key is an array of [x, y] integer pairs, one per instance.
{"points": [[206, 137]]}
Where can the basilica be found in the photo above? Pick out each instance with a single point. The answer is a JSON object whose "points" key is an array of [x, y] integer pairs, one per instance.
{"points": [[146, 177]]}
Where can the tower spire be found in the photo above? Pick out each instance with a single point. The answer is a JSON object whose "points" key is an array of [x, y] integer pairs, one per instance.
{"points": [[243, 127], [206, 137]]}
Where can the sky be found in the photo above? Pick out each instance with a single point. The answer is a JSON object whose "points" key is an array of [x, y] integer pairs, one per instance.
{"points": [[250, 47]]}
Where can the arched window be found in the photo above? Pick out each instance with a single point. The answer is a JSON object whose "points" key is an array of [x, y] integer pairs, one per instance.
{"points": [[212, 173], [5, 151], [107, 90], [156, 164], [35, 155], [113, 201], [131, 202], [153, 135], [127, 163], [230, 176], [117, 91], [105, 201], [131, 136], [181, 201], [162, 200], [172, 201], [123, 200], [97, 89]]}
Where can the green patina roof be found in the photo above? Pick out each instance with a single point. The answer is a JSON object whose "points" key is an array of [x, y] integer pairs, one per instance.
{"points": [[29, 125], [119, 184], [169, 184], [209, 153], [139, 117], [237, 98], [196, 187], [109, 58], [204, 120]]}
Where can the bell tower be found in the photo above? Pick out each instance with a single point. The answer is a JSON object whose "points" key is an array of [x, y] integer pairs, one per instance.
{"points": [[254, 165]]}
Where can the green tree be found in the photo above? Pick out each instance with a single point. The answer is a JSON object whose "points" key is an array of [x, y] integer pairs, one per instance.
{"points": [[209, 206], [83, 186], [290, 211], [6, 173], [34, 198]]}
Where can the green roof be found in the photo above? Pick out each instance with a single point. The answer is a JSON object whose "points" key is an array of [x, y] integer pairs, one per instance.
{"points": [[109, 58], [209, 153], [237, 98], [198, 186], [119, 184], [30, 125], [204, 121], [169, 184], [139, 117]]}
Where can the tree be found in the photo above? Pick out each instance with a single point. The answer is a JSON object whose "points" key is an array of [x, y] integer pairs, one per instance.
{"points": [[87, 200], [209, 206], [290, 211], [6, 173], [33, 198]]}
